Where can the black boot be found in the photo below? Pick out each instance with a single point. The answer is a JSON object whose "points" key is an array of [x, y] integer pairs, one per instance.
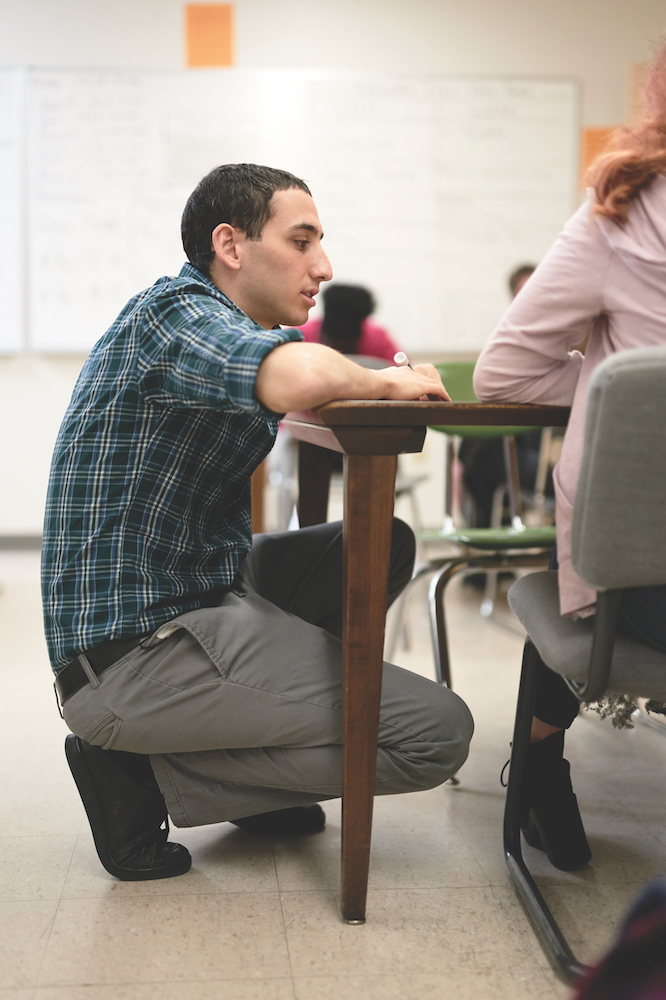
{"points": [[128, 817], [550, 819]]}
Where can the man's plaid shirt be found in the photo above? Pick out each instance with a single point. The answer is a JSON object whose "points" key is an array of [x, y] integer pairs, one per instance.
{"points": [[148, 507]]}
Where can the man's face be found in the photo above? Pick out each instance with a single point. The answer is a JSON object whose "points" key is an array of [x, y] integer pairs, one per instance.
{"points": [[280, 273]]}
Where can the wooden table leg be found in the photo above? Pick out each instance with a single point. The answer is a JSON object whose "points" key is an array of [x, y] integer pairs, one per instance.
{"points": [[368, 513]]}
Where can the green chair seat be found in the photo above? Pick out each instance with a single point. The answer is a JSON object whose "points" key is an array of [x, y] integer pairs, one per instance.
{"points": [[457, 376], [499, 539], [469, 431]]}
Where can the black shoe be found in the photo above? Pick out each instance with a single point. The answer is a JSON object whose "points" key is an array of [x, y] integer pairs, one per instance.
{"points": [[550, 819], [128, 819], [292, 822]]}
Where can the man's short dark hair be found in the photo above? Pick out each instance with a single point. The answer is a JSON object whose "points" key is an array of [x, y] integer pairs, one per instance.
{"points": [[237, 193]]}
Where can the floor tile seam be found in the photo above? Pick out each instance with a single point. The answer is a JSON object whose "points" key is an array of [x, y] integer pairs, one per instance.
{"points": [[10, 990], [444, 887], [153, 982], [286, 941], [57, 910], [402, 888], [32, 899], [389, 975], [39, 899], [641, 883], [171, 895], [533, 944], [284, 922], [38, 836], [615, 794], [478, 860], [535, 947]]}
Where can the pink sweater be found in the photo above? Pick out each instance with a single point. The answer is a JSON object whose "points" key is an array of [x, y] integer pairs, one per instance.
{"points": [[374, 341], [598, 277]]}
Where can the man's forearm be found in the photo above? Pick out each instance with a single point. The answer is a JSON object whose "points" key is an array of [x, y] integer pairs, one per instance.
{"points": [[300, 376]]}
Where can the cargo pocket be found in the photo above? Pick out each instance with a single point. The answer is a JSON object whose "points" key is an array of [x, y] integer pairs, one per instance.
{"points": [[105, 733]]}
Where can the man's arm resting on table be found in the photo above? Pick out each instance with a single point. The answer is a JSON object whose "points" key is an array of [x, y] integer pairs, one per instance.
{"points": [[298, 376]]}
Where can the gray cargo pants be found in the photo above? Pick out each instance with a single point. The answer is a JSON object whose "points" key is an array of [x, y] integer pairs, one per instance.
{"points": [[239, 705]]}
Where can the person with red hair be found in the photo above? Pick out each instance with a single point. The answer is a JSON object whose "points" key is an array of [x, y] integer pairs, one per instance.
{"points": [[605, 277]]}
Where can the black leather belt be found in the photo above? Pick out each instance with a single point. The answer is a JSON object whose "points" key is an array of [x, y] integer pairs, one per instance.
{"points": [[73, 677]]}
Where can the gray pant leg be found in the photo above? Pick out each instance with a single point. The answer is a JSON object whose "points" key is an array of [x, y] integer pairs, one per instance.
{"points": [[424, 736], [240, 710]]}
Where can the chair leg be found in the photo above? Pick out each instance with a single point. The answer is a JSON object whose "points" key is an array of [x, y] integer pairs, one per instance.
{"points": [[440, 645], [490, 594], [400, 607], [553, 942]]}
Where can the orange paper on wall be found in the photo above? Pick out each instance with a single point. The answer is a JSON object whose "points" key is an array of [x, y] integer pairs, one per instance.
{"points": [[210, 34], [593, 143]]}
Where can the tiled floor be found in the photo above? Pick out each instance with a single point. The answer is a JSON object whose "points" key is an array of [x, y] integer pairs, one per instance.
{"points": [[256, 920]]}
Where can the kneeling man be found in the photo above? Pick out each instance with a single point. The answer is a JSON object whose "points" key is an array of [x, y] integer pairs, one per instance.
{"points": [[199, 670]]}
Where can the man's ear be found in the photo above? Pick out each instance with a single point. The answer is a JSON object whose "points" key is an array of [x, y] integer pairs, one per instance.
{"points": [[225, 240]]}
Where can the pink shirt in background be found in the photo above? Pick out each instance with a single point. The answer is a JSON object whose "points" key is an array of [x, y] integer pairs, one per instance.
{"points": [[374, 341], [598, 278]]}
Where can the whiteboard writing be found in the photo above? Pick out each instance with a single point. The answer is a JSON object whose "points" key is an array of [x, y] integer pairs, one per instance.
{"points": [[430, 189]]}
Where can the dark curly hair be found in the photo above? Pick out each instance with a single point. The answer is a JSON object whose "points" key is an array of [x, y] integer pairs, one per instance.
{"points": [[345, 308]]}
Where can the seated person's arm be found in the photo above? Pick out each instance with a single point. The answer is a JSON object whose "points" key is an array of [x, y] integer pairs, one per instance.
{"points": [[531, 356], [298, 376]]}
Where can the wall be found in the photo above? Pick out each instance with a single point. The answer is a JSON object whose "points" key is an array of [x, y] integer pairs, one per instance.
{"points": [[593, 40]]}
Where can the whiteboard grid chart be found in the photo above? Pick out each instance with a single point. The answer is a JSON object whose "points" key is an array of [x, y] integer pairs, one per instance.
{"points": [[430, 189]]}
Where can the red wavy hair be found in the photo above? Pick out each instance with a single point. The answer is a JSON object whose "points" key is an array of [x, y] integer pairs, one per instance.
{"points": [[637, 154]]}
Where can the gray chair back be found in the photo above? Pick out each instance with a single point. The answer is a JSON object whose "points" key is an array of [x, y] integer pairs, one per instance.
{"points": [[619, 527], [368, 361]]}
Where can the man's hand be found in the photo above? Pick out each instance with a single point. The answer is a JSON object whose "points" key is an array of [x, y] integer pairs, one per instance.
{"points": [[421, 382]]}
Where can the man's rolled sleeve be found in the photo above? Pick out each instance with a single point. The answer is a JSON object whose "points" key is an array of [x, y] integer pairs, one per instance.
{"points": [[242, 365], [206, 353]]}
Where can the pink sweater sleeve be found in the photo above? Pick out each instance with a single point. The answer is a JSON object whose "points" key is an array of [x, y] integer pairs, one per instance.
{"points": [[529, 357]]}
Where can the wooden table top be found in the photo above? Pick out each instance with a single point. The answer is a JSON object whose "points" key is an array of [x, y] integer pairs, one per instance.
{"points": [[406, 413]]}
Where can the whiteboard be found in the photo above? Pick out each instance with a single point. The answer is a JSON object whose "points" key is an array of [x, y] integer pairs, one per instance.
{"points": [[430, 189], [11, 211]]}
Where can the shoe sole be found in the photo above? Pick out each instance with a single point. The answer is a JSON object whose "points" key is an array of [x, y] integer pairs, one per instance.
{"points": [[89, 797]]}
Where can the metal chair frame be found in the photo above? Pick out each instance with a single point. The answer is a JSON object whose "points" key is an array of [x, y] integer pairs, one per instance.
{"points": [[618, 542], [563, 961], [467, 558]]}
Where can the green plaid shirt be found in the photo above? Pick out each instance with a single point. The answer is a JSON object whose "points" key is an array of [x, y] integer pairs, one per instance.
{"points": [[148, 506]]}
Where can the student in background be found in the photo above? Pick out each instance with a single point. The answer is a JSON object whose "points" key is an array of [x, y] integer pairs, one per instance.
{"points": [[347, 329], [483, 459], [520, 277], [346, 326]]}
